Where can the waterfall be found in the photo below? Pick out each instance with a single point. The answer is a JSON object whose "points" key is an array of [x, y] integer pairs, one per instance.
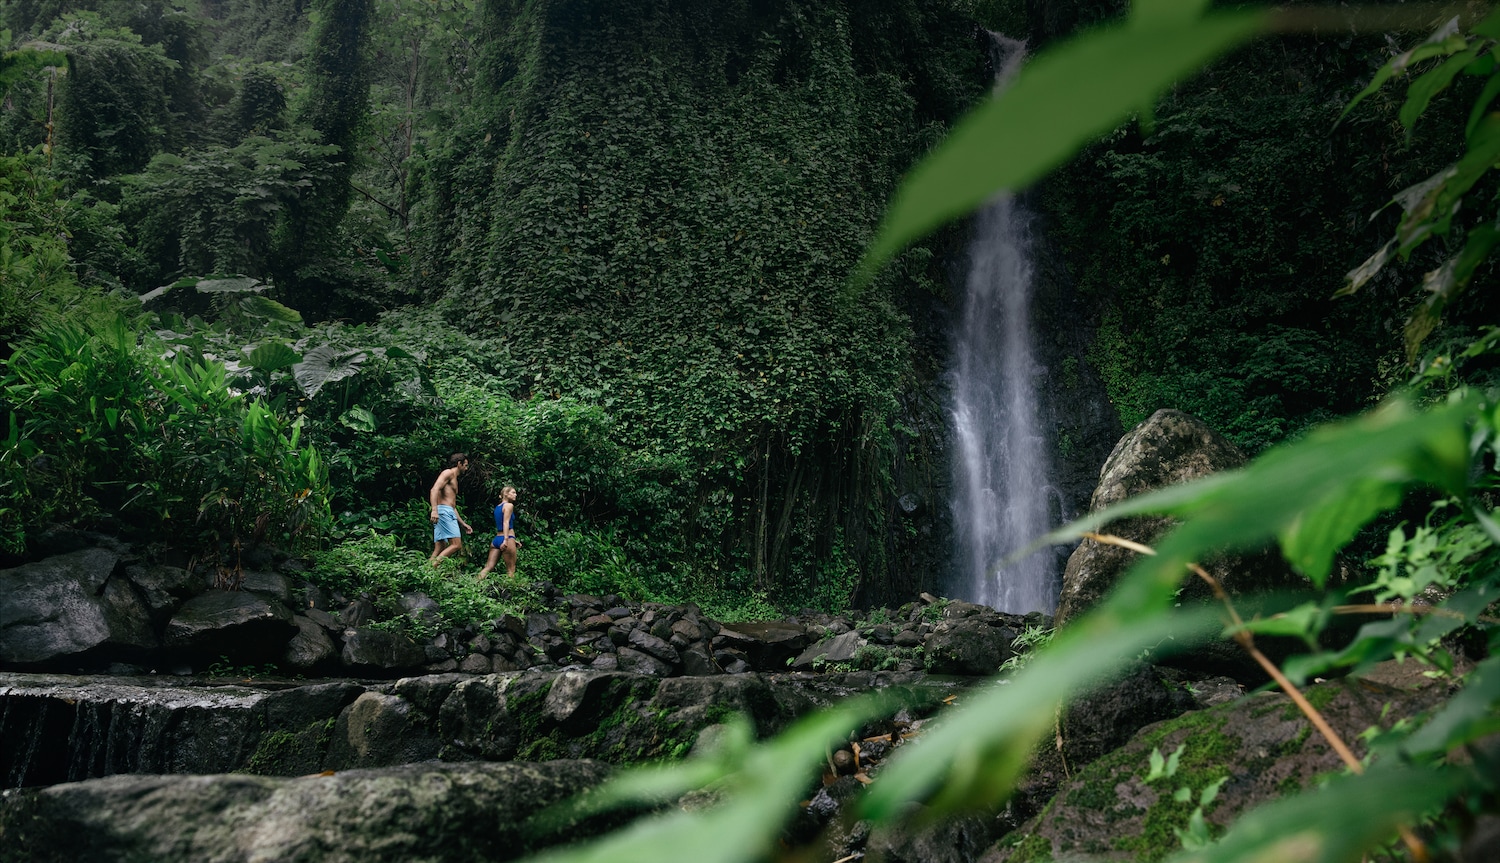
{"points": [[1002, 495]]}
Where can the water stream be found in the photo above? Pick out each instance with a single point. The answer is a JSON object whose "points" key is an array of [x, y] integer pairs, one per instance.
{"points": [[1002, 493]]}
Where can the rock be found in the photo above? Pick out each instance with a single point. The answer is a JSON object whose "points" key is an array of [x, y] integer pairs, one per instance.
{"points": [[655, 646], [960, 839], [476, 663], [596, 622], [1169, 448], [1263, 744], [310, 648], [767, 646], [688, 630], [62, 728], [540, 623], [697, 663], [380, 651], [163, 587], [356, 613], [270, 584], [605, 662], [243, 627], [840, 648], [907, 638], [299, 728], [322, 618], [418, 812], [637, 662], [1104, 719], [422, 609], [968, 646], [69, 608], [380, 729]]}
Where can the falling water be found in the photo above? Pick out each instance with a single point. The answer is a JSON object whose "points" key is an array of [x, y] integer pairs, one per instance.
{"points": [[1001, 491]]}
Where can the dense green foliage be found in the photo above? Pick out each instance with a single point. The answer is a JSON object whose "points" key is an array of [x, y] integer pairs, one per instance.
{"points": [[652, 206], [1213, 264], [101, 427], [655, 208]]}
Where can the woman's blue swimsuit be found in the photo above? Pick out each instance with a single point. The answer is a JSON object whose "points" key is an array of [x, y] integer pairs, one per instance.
{"points": [[503, 530]]}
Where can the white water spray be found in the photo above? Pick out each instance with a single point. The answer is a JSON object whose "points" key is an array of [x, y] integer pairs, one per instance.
{"points": [[1001, 487]]}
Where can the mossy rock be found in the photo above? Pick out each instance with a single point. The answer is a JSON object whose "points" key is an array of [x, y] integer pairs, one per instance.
{"points": [[1261, 746]]}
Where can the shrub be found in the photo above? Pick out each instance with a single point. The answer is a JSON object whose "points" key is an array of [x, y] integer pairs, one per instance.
{"points": [[101, 427]]}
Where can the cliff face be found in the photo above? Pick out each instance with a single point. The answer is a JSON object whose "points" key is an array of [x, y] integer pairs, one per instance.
{"points": [[656, 205]]}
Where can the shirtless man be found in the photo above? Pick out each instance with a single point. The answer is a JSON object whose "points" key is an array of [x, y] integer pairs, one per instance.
{"points": [[444, 515]]}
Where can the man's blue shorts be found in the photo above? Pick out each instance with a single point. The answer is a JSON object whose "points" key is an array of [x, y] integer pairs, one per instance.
{"points": [[447, 523]]}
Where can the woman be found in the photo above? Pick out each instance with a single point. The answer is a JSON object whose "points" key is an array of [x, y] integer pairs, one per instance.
{"points": [[505, 542]]}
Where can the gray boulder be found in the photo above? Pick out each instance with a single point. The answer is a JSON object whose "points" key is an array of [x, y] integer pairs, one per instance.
{"points": [[70, 608], [840, 648], [272, 585], [973, 646], [163, 587], [379, 729], [242, 626], [640, 662], [378, 650], [419, 813], [767, 645], [1169, 448], [310, 648]]}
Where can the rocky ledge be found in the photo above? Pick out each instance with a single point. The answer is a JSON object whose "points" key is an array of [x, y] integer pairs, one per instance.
{"points": [[57, 728], [102, 608]]}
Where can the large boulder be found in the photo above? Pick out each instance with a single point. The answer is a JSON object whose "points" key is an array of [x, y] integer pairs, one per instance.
{"points": [[381, 651], [380, 729], [1262, 744], [974, 647], [311, 648], [240, 626], [1169, 448], [419, 812], [768, 645], [70, 608]]}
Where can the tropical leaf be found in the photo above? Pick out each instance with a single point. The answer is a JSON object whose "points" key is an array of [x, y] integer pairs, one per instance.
{"points": [[358, 418], [1466, 717], [1429, 84], [229, 285], [1315, 534], [1444, 41], [325, 365], [272, 356], [1386, 449], [1337, 823], [1064, 98], [265, 307], [759, 791]]}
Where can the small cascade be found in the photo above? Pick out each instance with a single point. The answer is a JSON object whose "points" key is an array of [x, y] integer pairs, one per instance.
{"points": [[1003, 499]]}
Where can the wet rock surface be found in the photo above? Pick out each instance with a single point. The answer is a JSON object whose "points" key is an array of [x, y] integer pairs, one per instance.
{"points": [[57, 728], [418, 812], [71, 605]]}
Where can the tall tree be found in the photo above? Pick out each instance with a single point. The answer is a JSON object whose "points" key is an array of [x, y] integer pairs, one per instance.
{"points": [[335, 104]]}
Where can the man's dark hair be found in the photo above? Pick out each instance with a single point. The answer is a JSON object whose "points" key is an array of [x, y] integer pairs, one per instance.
{"points": [[457, 459]]}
